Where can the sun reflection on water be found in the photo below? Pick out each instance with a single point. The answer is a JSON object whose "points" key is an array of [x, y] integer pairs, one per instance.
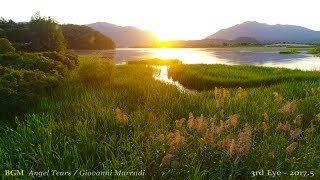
{"points": [[162, 75], [194, 56]]}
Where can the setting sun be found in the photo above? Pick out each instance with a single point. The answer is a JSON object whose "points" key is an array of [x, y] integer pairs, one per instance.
{"points": [[169, 20]]}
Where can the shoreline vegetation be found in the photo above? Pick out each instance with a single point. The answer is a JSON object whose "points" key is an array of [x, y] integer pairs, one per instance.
{"points": [[292, 51], [206, 77], [287, 50], [126, 119], [236, 47]]}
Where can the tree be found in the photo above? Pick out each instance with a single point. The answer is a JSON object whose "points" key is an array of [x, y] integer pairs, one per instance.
{"points": [[16, 33], [46, 34], [5, 46], [6, 24]]}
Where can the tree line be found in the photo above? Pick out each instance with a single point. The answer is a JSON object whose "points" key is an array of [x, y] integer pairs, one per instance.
{"points": [[45, 34]]}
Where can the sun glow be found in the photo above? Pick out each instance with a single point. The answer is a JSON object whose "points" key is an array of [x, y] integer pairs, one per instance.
{"points": [[176, 33], [173, 35], [169, 20], [189, 56], [181, 29]]}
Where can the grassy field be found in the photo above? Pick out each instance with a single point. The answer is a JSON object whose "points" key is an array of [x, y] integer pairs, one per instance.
{"points": [[131, 122], [202, 77]]}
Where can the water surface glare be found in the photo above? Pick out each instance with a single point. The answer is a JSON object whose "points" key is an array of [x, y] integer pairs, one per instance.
{"points": [[231, 56], [162, 75]]}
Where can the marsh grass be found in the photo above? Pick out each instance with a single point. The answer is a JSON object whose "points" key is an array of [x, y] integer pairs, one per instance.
{"points": [[205, 77], [315, 51], [292, 51], [136, 123]]}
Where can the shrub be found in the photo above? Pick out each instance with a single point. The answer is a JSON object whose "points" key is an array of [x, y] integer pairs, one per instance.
{"points": [[19, 89], [70, 63], [26, 76], [73, 57], [95, 70], [49, 66], [5, 46], [32, 61]]}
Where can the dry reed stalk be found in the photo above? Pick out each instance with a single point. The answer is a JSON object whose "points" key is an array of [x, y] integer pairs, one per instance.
{"points": [[277, 96], [295, 133], [242, 93], [166, 160], [180, 122], [283, 127], [121, 117], [292, 147], [288, 108], [298, 120]]}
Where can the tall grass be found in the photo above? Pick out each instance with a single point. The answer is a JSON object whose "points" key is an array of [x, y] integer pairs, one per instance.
{"points": [[315, 51], [202, 76], [136, 123], [292, 51]]}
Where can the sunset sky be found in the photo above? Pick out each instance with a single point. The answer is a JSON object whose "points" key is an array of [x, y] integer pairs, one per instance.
{"points": [[169, 19]]}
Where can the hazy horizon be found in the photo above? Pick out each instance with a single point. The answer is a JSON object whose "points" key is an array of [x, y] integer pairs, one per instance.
{"points": [[169, 20]]}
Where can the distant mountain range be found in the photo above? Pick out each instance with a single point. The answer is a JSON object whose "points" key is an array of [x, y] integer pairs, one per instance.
{"points": [[210, 42], [266, 33], [126, 36], [249, 32]]}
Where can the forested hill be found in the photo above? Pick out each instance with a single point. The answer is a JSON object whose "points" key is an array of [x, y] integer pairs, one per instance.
{"points": [[126, 36], [84, 37], [36, 34]]}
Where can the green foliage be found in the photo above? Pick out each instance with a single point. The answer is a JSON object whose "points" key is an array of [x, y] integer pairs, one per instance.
{"points": [[216, 75], [26, 76], [46, 34], [84, 37], [5, 46], [19, 89], [18, 34], [292, 51], [40, 34], [96, 70], [4, 24], [33, 61], [76, 129], [65, 60], [314, 51], [73, 57]]}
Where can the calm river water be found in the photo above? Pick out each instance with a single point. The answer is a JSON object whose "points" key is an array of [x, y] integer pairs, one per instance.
{"points": [[253, 56], [213, 56]]}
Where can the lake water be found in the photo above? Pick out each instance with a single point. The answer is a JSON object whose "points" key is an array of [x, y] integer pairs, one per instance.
{"points": [[252, 56], [162, 75], [231, 56]]}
